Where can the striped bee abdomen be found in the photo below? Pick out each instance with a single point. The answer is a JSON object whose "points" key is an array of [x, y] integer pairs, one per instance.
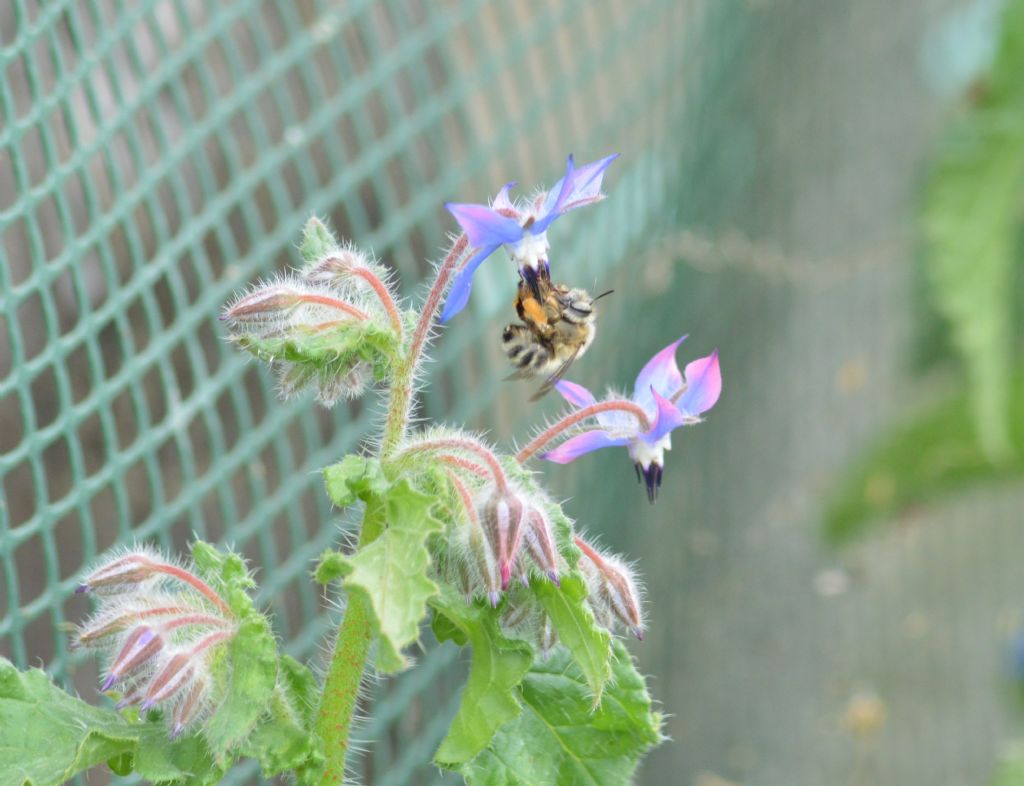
{"points": [[527, 353]]}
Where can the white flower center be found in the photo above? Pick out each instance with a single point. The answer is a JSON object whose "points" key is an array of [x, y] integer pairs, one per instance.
{"points": [[645, 454], [530, 250]]}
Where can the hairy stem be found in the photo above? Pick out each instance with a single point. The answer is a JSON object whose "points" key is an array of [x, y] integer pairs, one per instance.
{"points": [[552, 433], [400, 405], [345, 673]]}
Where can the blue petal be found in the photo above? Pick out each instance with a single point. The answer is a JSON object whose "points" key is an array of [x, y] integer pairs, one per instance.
{"points": [[551, 208], [458, 295], [579, 187], [483, 226], [584, 443], [577, 395], [667, 419]]}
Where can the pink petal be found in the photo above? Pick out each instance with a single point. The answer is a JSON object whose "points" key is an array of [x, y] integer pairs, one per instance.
{"points": [[668, 418], [660, 373], [573, 448], [577, 395], [703, 385]]}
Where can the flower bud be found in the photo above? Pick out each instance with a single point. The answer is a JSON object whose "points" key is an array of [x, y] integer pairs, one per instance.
{"points": [[188, 709], [540, 543], [140, 647], [120, 575], [264, 310], [613, 590], [175, 674], [502, 520]]}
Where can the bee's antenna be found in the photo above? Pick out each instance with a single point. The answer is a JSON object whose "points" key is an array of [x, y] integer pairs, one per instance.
{"points": [[603, 294]]}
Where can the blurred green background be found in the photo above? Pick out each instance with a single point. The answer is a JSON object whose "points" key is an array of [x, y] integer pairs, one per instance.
{"points": [[829, 192]]}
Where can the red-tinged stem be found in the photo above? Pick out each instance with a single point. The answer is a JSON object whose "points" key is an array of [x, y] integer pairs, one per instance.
{"points": [[213, 638], [404, 373], [383, 295], [333, 302], [190, 578], [454, 443], [195, 619], [541, 441], [433, 301], [585, 547], [465, 464], [465, 496]]}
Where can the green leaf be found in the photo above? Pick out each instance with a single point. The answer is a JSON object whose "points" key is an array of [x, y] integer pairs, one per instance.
{"points": [[561, 738], [252, 655], [1011, 768], [934, 455], [391, 571], [354, 477], [47, 736], [588, 643], [317, 241], [497, 667], [971, 217]]}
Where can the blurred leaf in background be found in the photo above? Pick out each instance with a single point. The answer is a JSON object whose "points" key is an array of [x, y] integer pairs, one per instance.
{"points": [[972, 213]]}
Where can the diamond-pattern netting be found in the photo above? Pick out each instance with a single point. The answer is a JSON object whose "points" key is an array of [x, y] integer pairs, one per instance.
{"points": [[157, 155]]}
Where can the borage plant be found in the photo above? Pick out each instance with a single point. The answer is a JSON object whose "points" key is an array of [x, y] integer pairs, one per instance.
{"points": [[453, 530]]}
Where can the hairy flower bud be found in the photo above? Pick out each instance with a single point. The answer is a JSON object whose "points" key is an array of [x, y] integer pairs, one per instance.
{"points": [[140, 647], [502, 519], [121, 574], [613, 590], [540, 543], [158, 635]]}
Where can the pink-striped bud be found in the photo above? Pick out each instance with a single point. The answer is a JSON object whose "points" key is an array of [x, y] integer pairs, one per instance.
{"points": [[502, 521], [338, 266], [613, 590], [540, 543], [268, 306], [121, 574], [140, 647], [188, 709], [174, 676]]}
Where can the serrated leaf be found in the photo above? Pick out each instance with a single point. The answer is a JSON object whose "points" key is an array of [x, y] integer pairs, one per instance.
{"points": [[227, 573], [560, 738], [47, 736], [302, 689], [252, 655], [354, 477], [930, 457], [971, 217], [587, 642], [497, 667], [391, 572]]}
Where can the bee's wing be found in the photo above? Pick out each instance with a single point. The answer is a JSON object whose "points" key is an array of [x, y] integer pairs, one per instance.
{"points": [[523, 373], [549, 383]]}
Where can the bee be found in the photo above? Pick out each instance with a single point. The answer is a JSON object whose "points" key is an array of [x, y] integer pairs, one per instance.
{"points": [[557, 326]]}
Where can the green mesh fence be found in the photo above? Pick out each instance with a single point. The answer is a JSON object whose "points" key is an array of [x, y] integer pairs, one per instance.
{"points": [[156, 156]]}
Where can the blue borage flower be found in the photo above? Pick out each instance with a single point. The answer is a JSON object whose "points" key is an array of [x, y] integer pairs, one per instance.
{"points": [[520, 227], [670, 400]]}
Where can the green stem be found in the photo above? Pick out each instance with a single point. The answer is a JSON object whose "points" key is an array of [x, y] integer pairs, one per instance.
{"points": [[345, 674]]}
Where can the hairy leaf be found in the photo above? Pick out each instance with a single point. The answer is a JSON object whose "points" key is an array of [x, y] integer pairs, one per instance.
{"points": [[560, 737], [47, 735], [352, 478], [497, 667], [936, 454], [588, 643], [252, 655], [391, 571]]}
